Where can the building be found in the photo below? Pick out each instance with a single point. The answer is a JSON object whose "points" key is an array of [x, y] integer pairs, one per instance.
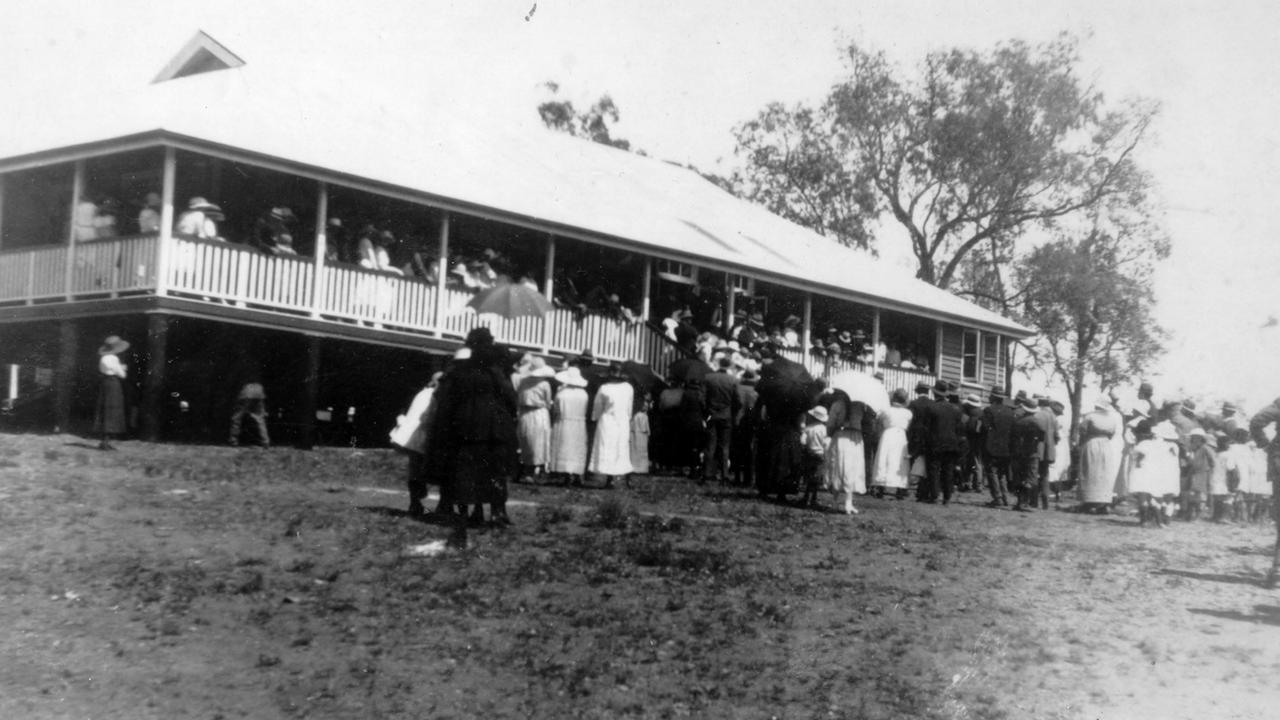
{"points": [[335, 341]]}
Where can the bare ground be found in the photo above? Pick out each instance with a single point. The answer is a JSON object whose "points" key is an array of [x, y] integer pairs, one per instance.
{"points": [[166, 581]]}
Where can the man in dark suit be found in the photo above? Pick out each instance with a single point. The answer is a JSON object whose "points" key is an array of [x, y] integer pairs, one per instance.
{"points": [[722, 406], [1025, 440], [944, 422], [917, 438], [742, 448], [1048, 450], [997, 423]]}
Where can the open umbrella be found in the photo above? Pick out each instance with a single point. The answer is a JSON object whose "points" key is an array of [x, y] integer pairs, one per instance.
{"points": [[785, 387], [511, 300], [687, 368], [861, 387], [642, 376]]}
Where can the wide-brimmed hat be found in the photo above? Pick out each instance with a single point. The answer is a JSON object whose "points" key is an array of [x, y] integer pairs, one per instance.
{"points": [[941, 387], [685, 314], [791, 320], [1028, 403], [922, 387], [1197, 432], [899, 396], [1230, 407], [113, 345], [845, 336], [586, 357], [972, 400], [206, 207], [572, 377], [757, 318], [283, 213], [818, 413], [1102, 403], [478, 337]]}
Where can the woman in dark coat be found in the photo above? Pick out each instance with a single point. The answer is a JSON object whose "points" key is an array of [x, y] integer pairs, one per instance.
{"points": [[476, 427], [691, 426], [109, 415]]}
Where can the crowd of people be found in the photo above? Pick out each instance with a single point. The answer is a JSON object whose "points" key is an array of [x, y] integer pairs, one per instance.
{"points": [[486, 421]]}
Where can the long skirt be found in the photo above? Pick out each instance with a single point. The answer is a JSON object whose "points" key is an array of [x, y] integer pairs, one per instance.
{"points": [[1097, 474], [479, 473], [846, 463], [640, 443], [780, 458], [569, 447], [108, 416], [534, 431], [892, 463]]}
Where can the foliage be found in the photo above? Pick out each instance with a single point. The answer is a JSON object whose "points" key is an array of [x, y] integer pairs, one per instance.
{"points": [[795, 169], [1091, 298], [592, 123], [979, 149]]}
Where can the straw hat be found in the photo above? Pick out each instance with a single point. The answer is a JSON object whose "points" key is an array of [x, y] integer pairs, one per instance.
{"points": [[818, 413], [113, 345], [571, 377]]}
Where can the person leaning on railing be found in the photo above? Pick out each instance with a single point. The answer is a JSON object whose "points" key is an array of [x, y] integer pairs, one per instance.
{"points": [[200, 220]]}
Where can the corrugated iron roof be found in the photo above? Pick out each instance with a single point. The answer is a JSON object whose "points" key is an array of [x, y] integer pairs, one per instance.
{"points": [[514, 170]]}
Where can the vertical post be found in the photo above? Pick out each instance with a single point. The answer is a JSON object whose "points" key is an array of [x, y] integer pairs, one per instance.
{"points": [[731, 297], [442, 277], [165, 248], [646, 302], [548, 291], [13, 382], [153, 383], [64, 381], [875, 341], [806, 335], [937, 354], [318, 288], [77, 188], [310, 395], [2, 177]]}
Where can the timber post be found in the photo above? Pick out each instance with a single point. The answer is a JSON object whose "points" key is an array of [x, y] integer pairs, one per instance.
{"points": [[310, 395], [64, 380], [151, 414]]}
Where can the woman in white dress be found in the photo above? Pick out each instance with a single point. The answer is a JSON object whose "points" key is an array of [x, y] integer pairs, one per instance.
{"points": [[611, 450], [533, 428], [892, 469], [1154, 478], [847, 420], [569, 427]]}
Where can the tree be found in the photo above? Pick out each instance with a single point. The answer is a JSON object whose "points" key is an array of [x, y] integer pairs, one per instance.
{"points": [[796, 171], [1091, 298], [592, 124], [981, 148]]}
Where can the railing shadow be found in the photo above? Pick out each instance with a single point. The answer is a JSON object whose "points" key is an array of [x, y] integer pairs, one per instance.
{"points": [[1263, 614], [1230, 578]]}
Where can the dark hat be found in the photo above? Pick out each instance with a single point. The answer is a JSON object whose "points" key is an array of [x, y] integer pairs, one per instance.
{"points": [[1142, 429], [757, 318], [1146, 387], [1229, 406], [899, 396], [725, 362], [953, 386], [112, 345], [1022, 394], [586, 357], [941, 387], [615, 369], [1189, 404], [749, 378], [1028, 403], [1057, 407], [922, 387], [479, 337], [686, 314], [997, 393]]}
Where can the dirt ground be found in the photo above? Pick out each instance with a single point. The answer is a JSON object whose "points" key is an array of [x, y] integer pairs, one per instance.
{"points": [[167, 581]]}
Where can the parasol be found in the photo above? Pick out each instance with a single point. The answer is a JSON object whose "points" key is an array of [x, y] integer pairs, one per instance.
{"points": [[863, 388], [510, 300], [642, 376], [785, 387], [687, 368]]}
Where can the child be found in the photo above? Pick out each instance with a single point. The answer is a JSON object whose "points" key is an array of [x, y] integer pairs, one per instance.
{"points": [[1154, 477], [640, 436], [1237, 463], [814, 438], [1202, 462], [1258, 493], [1219, 491]]}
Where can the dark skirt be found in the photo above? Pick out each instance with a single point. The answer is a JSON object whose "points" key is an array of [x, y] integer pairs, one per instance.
{"points": [[479, 473], [109, 416], [779, 458]]}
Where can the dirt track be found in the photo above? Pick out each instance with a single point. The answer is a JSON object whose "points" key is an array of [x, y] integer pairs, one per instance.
{"points": [[167, 581]]}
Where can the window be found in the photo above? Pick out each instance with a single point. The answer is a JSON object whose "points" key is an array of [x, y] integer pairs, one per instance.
{"points": [[677, 271], [969, 355], [992, 360], [743, 285]]}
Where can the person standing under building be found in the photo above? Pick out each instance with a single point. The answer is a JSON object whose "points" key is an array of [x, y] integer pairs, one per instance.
{"points": [[943, 424], [1025, 447], [611, 410], [251, 401], [109, 419]]}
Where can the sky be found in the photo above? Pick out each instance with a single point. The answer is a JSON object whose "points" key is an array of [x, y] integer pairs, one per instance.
{"points": [[685, 73]]}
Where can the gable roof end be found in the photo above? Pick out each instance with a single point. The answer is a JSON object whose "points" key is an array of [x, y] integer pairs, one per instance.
{"points": [[201, 54]]}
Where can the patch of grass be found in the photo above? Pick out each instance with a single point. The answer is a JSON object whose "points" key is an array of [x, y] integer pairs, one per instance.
{"points": [[611, 514]]}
